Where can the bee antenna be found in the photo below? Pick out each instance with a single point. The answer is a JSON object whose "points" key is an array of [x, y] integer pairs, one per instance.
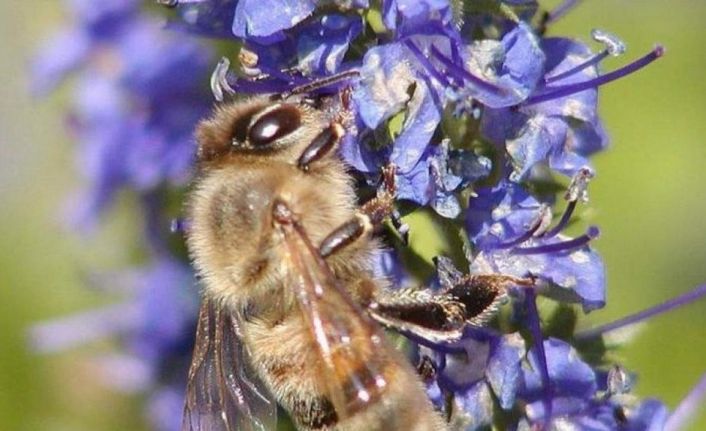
{"points": [[319, 84]]}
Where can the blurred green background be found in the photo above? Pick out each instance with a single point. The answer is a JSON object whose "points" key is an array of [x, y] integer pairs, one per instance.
{"points": [[649, 200]]}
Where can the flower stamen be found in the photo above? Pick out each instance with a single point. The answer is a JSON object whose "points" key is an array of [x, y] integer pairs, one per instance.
{"points": [[561, 10], [538, 224], [592, 233], [462, 74], [414, 49], [588, 63], [576, 191], [671, 304], [613, 47], [566, 90]]}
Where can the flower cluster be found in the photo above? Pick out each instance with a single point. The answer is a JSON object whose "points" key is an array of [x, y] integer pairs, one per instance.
{"points": [[484, 119]]}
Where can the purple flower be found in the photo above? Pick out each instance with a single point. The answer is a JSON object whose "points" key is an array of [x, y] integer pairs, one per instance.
{"points": [[137, 99], [105, 19], [322, 44], [510, 230]]}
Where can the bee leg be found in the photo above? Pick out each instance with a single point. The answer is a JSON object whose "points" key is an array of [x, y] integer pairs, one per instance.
{"points": [[441, 316], [372, 214], [321, 145], [382, 205]]}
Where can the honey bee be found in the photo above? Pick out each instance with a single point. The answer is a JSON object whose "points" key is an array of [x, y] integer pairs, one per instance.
{"points": [[291, 313]]}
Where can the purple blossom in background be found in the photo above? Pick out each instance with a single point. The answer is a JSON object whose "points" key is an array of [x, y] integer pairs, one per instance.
{"points": [[138, 94], [475, 108]]}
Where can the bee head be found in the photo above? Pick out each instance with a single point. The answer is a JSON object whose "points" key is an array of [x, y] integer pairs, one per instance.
{"points": [[258, 126]]}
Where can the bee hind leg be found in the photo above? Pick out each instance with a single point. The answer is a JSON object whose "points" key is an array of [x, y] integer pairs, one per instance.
{"points": [[441, 316]]}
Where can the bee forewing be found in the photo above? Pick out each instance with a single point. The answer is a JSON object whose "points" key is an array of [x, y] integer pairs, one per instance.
{"points": [[222, 393], [353, 353]]}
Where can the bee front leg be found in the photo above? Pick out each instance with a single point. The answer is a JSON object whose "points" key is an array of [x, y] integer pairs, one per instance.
{"points": [[321, 145], [372, 214], [441, 316]]}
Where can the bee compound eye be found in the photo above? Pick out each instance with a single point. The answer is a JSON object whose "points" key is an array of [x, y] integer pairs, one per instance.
{"points": [[273, 125]]}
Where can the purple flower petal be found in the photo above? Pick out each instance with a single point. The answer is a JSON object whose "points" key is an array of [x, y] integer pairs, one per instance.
{"points": [[570, 376], [534, 142], [360, 157], [410, 17], [322, 44], [165, 408], [582, 140], [496, 215], [385, 77], [514, 65], [422, 117], [104, 19], [148, 72], [438, 175], [650, 415], [561, 406], [168, 305], [264, 20], [576, 276], [125, 373], [464, 370], [503, 371], [60, 55], [475, 406], [79, 329], [212, 18]]}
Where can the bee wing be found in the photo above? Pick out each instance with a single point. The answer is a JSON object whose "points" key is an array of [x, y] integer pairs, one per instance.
{"points": [[353, 352], [222, 392]]}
